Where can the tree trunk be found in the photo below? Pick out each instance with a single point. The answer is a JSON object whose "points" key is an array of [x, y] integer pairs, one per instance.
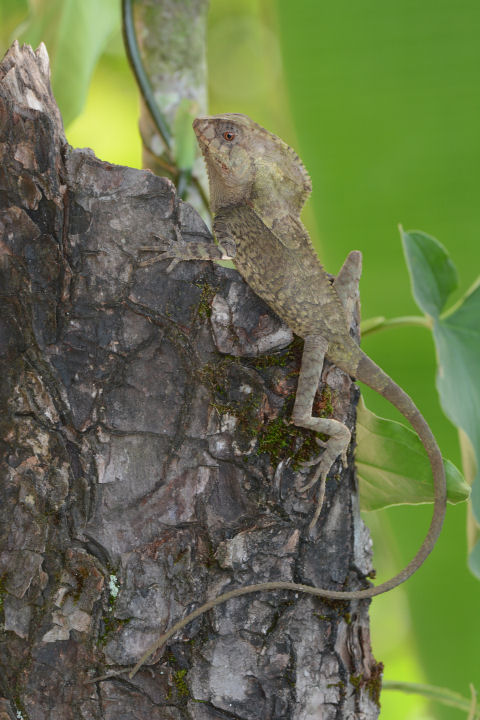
{"points": [[147, 464], [171, 36]]}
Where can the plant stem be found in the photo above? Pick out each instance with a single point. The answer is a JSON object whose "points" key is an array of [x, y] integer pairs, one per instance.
{"points": [[438, 694], [367, 327], [133, 54]]}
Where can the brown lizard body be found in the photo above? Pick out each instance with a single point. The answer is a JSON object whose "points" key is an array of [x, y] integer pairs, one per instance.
{"points": [[258, 186]]}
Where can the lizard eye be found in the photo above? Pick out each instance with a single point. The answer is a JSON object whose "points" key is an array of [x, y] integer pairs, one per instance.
{"points": [[229, 135]]}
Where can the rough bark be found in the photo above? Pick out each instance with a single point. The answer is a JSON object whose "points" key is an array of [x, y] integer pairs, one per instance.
{"points": [[146, 462]]}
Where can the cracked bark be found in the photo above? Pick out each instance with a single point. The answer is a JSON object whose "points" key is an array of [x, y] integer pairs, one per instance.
{"points": [[145, 459]]}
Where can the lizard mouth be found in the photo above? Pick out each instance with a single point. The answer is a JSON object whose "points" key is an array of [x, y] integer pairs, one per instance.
{"points": [[204, 145], [199, 126], [200, 136], [202, 141]]}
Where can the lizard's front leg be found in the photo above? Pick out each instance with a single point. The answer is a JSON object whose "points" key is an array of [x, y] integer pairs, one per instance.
{"points": [[313, 356], [196, 250]]}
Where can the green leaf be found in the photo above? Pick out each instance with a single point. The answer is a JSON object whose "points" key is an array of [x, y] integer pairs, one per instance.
{"points": [[470, 468], [75, 33], [393, 467], [457, 341], [474, 560], [432, 273]]}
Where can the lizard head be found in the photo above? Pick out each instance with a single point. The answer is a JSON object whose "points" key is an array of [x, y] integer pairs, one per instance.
{"points": [[245, 162], [224, 141]]}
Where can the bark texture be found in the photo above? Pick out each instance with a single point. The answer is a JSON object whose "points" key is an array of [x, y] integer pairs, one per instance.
{"points": [[146, 463]]}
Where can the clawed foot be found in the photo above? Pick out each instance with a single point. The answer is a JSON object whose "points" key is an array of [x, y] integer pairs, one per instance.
{"points": [[324, 463], [314, 461], [165, 250]]}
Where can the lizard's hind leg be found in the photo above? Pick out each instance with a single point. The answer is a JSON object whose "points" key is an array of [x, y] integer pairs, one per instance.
{"points": [[339, 435]]}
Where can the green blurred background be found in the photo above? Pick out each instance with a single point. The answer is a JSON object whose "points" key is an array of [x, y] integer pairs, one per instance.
{"points": [[382, 101]]}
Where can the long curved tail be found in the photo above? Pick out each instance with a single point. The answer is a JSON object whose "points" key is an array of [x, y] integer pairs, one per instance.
{"points": [[373, 376]]}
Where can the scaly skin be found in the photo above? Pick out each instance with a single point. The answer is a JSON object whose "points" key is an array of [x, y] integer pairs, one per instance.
{"points": [[258, 186]]}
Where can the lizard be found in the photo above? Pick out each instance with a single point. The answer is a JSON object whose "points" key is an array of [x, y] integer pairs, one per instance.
{"points": [[258, 186]]}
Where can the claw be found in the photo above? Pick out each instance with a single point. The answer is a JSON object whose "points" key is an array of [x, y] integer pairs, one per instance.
{"points": [[323, 468], [173, 264], [320, 499], [317, 458], [151, 261], [161, 248], [308, 485], [311, 463], [321, 475]]}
